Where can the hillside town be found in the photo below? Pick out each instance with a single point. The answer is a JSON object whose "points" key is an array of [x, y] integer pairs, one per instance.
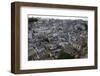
{"points": [[50, 38]]}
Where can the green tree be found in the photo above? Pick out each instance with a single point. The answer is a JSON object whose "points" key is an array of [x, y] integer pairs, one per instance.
{"points": [[64, 55]]}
